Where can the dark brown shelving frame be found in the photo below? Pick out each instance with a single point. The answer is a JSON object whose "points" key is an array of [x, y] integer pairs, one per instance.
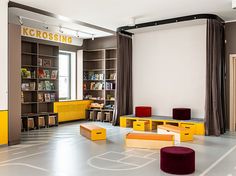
{"points": [[31, 107], [100, 61]]}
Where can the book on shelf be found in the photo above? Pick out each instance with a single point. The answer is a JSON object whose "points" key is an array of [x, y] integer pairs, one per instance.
{"points": [[40, 73], [46, 74], [54, 74], [32, 85], [47, 63], [25, 86], [112, 76], [25, 73], [41, 85], [40, 97], [40, 62], [47, 85], [53, 97], [47, 97], [22, 97]]}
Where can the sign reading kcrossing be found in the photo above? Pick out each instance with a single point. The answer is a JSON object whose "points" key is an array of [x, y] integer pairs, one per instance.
{"points": [[44, 35]]}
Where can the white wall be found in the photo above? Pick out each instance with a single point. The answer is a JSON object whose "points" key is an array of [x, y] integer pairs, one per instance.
{"points": [[169, 69], [3, 54]]}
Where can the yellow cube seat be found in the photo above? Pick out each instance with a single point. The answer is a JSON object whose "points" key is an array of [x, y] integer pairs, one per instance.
{"points": [[93, 132]]}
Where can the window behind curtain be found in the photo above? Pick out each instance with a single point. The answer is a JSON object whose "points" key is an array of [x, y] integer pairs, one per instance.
{"points": [[64, 76]]}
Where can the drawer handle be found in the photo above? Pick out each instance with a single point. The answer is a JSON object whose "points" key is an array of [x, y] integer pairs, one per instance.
{"points": [[138, 125], [168, 130], [187, 127], [99, 133], [186, 134]]}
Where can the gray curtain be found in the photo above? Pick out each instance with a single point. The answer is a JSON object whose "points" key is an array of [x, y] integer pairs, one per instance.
{"points": [[215, 112], [124, 92]]}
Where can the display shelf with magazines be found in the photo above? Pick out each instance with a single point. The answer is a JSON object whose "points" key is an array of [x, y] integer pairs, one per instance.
{"points": [[99, 81], [40, 84]]}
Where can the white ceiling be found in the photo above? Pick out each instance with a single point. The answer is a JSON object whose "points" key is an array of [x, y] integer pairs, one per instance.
{"points": [[39, 21], [115, 13]]}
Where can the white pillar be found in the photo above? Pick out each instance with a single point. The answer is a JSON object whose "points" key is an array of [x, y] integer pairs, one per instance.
{"points": [[4, 55]]}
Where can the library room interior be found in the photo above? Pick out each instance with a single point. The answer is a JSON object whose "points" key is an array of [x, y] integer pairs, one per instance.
{"points": [[118, 87]]}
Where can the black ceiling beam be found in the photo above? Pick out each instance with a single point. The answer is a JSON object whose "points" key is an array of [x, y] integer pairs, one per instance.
{"points": [[171, 20]]}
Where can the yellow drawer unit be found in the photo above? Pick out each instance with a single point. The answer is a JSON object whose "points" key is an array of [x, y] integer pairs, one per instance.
{"points": [[141, 126], [3, 127], [189, 126], [127, 122], [93, 132], [181, 134]]}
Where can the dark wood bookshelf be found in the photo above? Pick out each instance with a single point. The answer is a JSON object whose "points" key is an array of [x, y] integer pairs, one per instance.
{"points": [[95, 63], [34, 56]]}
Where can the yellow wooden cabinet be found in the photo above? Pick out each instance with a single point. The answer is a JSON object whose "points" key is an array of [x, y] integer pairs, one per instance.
{"points": [[71, 110], [3, 127], [196, 126]]}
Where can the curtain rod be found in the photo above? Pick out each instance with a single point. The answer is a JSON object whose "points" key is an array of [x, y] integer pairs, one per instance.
{"points": [[171, 20]]}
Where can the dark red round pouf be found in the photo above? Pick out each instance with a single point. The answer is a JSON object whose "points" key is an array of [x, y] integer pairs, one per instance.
{"points": [[182, 113], [177, 160]]}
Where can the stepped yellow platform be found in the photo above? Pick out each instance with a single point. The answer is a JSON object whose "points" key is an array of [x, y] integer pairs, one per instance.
{"points": [[181, 134], [93, 132], [148, 141], [141, 126], [196, 126]]}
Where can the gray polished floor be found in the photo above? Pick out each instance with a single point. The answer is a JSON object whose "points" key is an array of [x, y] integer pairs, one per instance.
{"points": [[63, 152]]}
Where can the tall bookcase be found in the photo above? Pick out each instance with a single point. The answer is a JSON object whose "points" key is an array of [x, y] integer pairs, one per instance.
{"points": [[39, 85], [99, 69]]}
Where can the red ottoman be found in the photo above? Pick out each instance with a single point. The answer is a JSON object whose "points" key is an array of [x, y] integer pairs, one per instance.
{"points": [[182, 113], [177, 160], [143, 111]]}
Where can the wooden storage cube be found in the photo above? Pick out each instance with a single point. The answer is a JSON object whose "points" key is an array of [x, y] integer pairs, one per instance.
{"points": [[99, 116], [30, 123], [41, 121], [51, 120], [28, 108], [141, 125], [107, 116], [91, 115]]}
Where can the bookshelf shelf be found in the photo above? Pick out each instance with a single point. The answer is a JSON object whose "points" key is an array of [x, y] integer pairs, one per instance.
{"points": [[97, 64], [39, 59]]}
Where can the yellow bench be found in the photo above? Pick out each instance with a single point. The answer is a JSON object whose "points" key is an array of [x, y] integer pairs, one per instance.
{"points": [[148, 141], [181, 134], [93, 132]]}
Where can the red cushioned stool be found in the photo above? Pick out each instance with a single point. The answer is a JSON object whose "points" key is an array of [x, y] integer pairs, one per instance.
{"points": [[143, 111], [177, 160], [182, 113]]}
